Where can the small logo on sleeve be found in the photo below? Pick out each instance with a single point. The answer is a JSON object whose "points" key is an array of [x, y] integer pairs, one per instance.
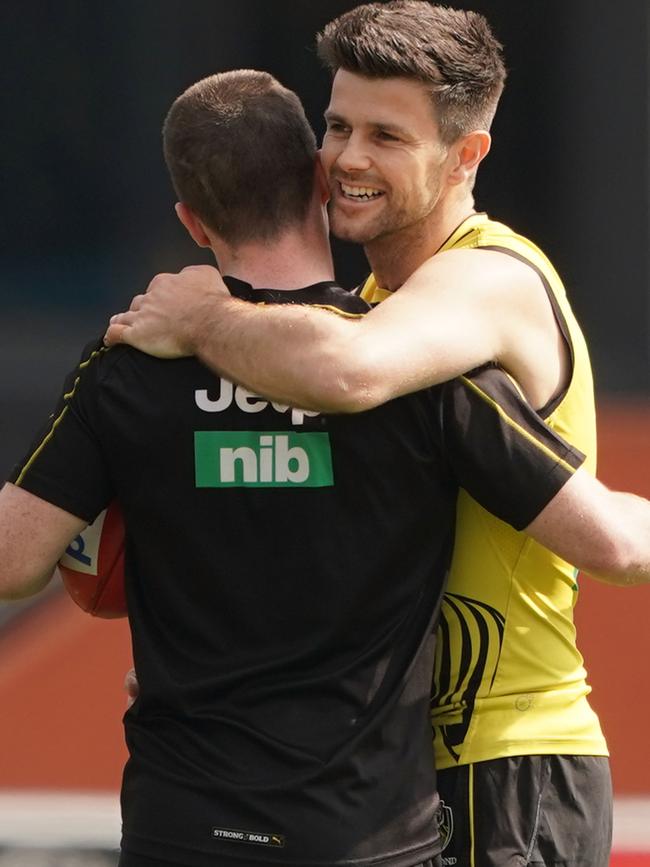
{"points": [[259, 838], [262, 459]]}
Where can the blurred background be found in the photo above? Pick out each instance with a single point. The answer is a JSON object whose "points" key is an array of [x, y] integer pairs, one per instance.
{"points": [[88, 219]]}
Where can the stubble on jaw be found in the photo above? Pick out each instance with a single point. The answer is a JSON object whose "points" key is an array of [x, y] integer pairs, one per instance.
{"points": [[388, 226], [398, 242]]}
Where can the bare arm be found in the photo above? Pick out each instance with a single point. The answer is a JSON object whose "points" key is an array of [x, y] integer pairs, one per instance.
{"points": [[459, 310], [604, 533], [33, 536], [192, 313]]}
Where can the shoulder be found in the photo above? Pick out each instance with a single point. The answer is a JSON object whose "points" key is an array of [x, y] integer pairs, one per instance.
{"points": [[98, 362], [485, 267], [477, 282]]}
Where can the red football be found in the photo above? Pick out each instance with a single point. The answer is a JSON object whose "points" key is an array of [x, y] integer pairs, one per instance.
{"points": [[92, 567]]}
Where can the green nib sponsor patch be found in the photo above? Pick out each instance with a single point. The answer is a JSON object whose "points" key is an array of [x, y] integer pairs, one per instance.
{"points": [[262, 459]]}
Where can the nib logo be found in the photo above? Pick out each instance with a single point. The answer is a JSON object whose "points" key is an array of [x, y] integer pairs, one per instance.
{"points": [[270, 459]]}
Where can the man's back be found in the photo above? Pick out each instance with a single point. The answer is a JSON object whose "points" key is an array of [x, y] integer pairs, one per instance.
{"points": [[284, 571], [282, 611]]}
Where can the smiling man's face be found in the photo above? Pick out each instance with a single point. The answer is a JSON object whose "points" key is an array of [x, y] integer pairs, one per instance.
{"points": [[382, 154]]}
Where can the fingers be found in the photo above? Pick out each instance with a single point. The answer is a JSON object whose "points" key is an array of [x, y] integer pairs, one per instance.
{"points": [[198, 279], [116, 333], [118, 328], [131, 686], [126, 318], [131, 682], [121, 322], [208, 269], [158, 281], [164, 320], [136, 303]]}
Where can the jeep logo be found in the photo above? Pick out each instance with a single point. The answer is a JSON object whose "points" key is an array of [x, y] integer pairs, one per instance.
{"points": [[246, 401]]}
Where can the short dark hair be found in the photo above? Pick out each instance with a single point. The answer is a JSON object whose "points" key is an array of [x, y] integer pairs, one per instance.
{"points": [[452, 51], [241, 154]]}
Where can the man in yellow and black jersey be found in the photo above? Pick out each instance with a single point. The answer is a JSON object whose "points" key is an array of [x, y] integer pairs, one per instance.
{"points": [[509, 681], [415, 88], [284, 568]]}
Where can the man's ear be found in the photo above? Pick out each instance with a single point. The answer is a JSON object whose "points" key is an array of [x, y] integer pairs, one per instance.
{"points": [[192, 223], [321, 181], [466, 154]]}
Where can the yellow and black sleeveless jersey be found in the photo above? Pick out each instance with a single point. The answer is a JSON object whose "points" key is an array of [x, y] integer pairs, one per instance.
{"points": [[509, 679], [284, 576]]}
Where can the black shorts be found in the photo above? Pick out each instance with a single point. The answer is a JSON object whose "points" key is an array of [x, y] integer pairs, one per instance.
{"points": [[527, 810]]}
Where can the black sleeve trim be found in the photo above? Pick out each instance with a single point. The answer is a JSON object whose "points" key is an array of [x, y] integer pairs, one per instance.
{"points": [[501, 451], [556, 450]]}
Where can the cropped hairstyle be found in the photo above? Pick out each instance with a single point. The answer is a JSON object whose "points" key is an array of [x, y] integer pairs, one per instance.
{"points": [[241, 154], [451, 51]]}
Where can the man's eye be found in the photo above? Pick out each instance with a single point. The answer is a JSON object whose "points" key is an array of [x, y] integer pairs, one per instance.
{"points": [[333, 126], [386, 136]]}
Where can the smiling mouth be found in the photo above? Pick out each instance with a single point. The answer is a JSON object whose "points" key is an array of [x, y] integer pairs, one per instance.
{"points": [[358, 193]]}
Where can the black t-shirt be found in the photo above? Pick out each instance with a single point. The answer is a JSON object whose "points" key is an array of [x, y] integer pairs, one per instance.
{"points": [[284, 570]]}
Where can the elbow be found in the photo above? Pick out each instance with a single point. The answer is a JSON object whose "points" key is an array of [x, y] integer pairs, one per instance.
{"points": [[351, 381], [17, 586], [621, 562], [351, 394]]}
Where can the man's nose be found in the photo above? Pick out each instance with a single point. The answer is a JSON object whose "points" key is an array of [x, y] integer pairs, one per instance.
{"points": [[355, 156]]}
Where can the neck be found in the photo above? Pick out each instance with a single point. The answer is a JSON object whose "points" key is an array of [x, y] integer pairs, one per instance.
{"points": [[296, 258], [394, 257]]}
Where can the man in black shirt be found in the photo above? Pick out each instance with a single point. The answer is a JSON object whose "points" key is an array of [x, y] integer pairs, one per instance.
{"points": [[284, 568]]}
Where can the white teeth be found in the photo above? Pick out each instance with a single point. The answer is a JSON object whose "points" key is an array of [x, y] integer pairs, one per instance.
{"points": [[366, 193]]}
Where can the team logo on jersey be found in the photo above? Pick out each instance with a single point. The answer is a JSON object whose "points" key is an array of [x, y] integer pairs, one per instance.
{"points": [[262, 459], [445, 819], [246, 401], [259, 838]]}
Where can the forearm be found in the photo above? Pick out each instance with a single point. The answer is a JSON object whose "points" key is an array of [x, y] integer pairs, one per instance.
{"points": [[305, 356], [319, 360], [426, 333], [14, 588], [292, 354], [33, 536], [603, 533], [630, 562]]}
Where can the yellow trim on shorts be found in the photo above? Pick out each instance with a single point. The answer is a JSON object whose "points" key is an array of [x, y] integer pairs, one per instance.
{"points": [[513, 424], [48, 436]]}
